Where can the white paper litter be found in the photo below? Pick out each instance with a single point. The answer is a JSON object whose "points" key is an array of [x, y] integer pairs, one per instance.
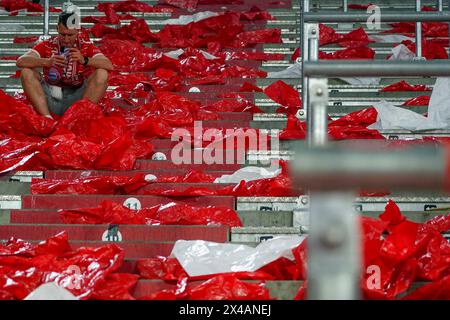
{"points": [[186, 19], [204, 258], [249, 174], [50, 291], [177, 53]]}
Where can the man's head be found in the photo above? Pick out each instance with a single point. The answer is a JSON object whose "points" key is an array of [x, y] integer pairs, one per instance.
{"points": [[66, 29]]}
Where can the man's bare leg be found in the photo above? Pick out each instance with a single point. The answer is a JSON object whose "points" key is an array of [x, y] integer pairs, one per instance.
{"points": [[96, 86], [33, 89]]}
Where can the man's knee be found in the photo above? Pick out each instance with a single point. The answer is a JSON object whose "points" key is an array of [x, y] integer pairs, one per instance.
{"points": [[27, 74], [100, 77]]}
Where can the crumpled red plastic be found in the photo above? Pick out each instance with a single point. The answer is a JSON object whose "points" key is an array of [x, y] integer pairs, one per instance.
{"points": [[137, 30], [285, 95], [362, 53], [354, 39], [248, 87], [417, 101], [223, 287], [295, 129], [25, 266], [95, 185], [431, 49], [168, 214], [183, 4], [405, 86], [28, 39], [222, 31], [17, 117], [13, 6], [112, 184], [351, 126], [130, 6], [354, 6]]}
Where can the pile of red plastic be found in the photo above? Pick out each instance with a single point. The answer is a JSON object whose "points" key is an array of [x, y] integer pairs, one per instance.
{"points": [[13, 6], [405, 252], [84, 138], [88, 273], [351, 126], [169, 214]]}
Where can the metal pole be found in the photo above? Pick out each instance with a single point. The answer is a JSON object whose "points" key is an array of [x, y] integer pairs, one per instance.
{"points": [[46, 17], [305, 53], [412, 16], [317, 118], [440, 5], [418, 32], [345, 5], [334, 253], [358, 68]]}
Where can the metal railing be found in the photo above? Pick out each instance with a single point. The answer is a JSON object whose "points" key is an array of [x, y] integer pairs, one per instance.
{"points": [[332, 175]]}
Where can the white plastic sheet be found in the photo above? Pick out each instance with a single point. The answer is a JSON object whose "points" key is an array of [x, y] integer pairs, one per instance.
{"points": [[391, 117], [249, 174], [389, 38], [177, 53], [50, 291], [186, 19], [205, 258]]}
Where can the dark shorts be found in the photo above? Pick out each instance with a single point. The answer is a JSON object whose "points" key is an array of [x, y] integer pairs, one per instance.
{"points": [[69, 97]]}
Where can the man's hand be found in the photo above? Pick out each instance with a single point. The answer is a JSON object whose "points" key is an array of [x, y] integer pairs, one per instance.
{"points": [[58, 61], [76, 55]]}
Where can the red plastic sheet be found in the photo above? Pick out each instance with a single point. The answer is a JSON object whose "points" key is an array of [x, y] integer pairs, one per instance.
{"points": [[354, 39], [30, 39], [130, 6], [222, 287], [16, 117], [15, 5], [95, 185], [137, 30], [417, 101], [285, 95], [431, 49], [169, 214], [354, 6], [405, 86], [351, 126], [25, 266], [183, 4], [248, 87], [219, 32], [349, 53]]}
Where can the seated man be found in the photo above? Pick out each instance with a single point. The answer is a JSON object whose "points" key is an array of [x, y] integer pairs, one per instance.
{"points": [[65, 59]]}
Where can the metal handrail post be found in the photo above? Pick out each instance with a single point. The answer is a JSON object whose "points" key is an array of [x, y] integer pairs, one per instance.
{"points": [[305, 56], [440, 5], [46, 17], [345, 5], [419, 32]]}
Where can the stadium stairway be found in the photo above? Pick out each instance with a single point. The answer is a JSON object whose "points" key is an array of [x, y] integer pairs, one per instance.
{"points": [[35, 218]]}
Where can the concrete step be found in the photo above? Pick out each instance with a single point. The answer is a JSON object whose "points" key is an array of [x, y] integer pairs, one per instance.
{"points": [[89, 201], [137, 233]]}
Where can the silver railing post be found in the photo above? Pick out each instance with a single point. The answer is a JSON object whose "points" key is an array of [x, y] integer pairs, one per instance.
{"points": [[345, 5], [440, 5], [317, 118], [46, 17], [419, 32], [305, 57]]}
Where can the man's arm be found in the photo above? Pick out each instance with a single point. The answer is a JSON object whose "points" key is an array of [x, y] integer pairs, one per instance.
{"points": [[32, 60], [99, 61]]}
